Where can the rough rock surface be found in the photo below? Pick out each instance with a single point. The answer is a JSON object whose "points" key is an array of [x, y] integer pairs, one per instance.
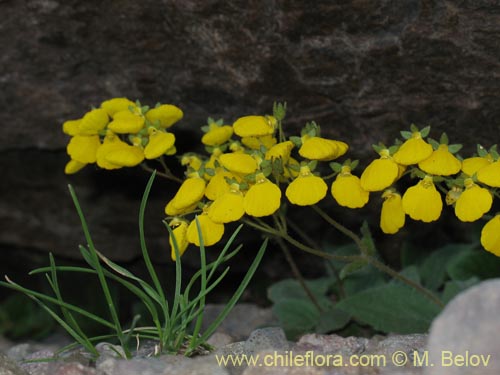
{"points": [[362, 69]]}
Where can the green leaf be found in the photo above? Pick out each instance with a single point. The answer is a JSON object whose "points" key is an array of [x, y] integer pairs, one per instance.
{"points": [[425, 131], [392, 308], [332, 320], [478, 263], [291, 289], [481, 151], [297, 316], [351, 268], [406, 134], [336, 167], [454, 148], [453, 287], [433, 143], [411, 273], [444, 139], [367, 238], [297, 141]]}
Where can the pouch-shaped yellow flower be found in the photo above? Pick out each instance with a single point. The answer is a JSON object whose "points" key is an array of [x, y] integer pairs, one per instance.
{"points": [[317, 148], [473, 203], [126, 122], [441, 162], [280, 151], [125, 155], [111, 143], [83, 148], [422, 201], [165, 114], [72, 127], [255, 143], [211, 232], [490, 174], [263, 198], [179, 231], [170, 210], [73, 166], [115, 105], [413, 150], [474, 164], [218, 185], [93, 122], [307, 189], [254, 126], [227, 208], [347, 190], [238, 163], [158, 144], [217, 135], [379, 174], [490, 236], [190, 192], [392, 215]]}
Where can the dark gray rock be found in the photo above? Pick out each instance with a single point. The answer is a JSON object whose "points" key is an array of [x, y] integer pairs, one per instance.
{"points": [[465, 337], [361, 69]]}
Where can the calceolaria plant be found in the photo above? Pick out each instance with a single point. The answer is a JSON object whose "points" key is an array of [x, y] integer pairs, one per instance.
{"points": [[254, 173]]}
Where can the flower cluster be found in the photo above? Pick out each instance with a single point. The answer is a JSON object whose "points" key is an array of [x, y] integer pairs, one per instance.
{"points": [[250, 167], [120, 133]]}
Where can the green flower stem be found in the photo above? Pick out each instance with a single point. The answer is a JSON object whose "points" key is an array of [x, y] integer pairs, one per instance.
{"points": [[381, 266], [167, 174]]}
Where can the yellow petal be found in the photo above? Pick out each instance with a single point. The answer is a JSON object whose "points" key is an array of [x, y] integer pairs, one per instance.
{"points": [[441, 162], [307, 189], [190, 192], [218, 185], [217, 135], [125, 156], [392, 216], [211, 232], [227, 208], [262, 199], [474, 164], [115, 105], [490, 174], [347, 191], [490, 236], [170, 210], [72, 127], [473, 203], [413, 151], [254, 126], [422, 201], [317, 148], [73, 166], [379, 174], [83, 148], [93, 122], [255, 143], [158, 144], [110, 144], [126, 122], [166, 115], [280, 151], [180, 235], [238, 163]]}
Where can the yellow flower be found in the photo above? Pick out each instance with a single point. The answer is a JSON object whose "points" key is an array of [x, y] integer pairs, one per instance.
{"points": [[441, 162], [217, 135], [111, 143], [289, 172], [125, 155], [72, 127], [192, 161], [211, 232], [317, 148], [73, 166], [413, 150], [238, 163], [422, 201], [280, 151], [490, 236], [255, 143], [347, 190], [228, 207], [166, 115], [254, 126], [473, 203], [263, 198], [179, 232], [93, 122], [158, 144], [392, 216], [114, 105], [125, 122], [380, 173], [452, 195], [170, 210], [83, 148], [218, 185], [490, 174], [307, 189], [474, 164], [190, 192]]}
